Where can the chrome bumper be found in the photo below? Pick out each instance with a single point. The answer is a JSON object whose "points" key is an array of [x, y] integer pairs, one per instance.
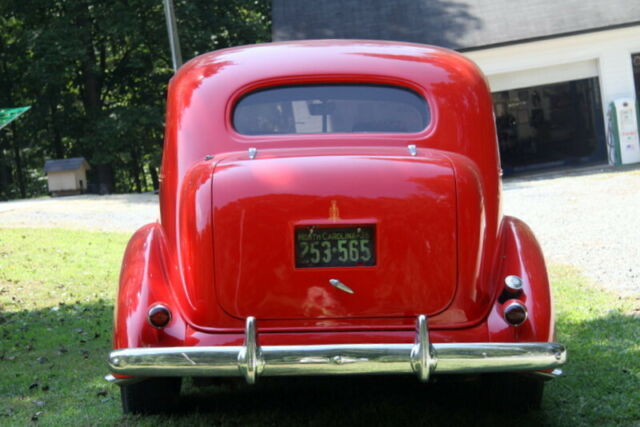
{"points": [[251, 360]]}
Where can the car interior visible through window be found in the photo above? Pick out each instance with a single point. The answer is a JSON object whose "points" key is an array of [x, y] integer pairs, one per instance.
{"points": [[340, 108]]}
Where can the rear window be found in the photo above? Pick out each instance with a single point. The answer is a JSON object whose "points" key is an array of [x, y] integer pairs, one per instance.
{"points": [[343, 108]]}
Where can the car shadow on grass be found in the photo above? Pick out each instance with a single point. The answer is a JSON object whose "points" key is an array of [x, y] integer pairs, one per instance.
{"points": [[52, 361], [600, 385], [65, 351], [366, 400]]}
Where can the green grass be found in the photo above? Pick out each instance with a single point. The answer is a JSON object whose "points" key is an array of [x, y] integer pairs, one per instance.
{"points": [[56, 300]]}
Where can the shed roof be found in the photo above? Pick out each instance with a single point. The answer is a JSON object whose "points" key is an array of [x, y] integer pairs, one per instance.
{"points": [[60, 165]]}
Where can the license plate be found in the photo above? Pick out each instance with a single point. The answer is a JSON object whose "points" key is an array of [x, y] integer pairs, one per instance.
{"points": [[352, 246]]}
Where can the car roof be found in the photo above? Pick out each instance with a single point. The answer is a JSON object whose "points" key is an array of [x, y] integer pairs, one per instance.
{"points": [[353, 59]]}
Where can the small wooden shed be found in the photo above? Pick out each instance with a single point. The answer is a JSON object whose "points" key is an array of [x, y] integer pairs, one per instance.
{"points": [[67, 176]]}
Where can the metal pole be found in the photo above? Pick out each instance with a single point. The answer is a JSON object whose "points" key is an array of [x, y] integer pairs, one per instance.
{"points": [[172, 30]]}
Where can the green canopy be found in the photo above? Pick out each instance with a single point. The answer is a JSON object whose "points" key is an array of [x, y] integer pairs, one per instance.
{"points": [[7, 115]]}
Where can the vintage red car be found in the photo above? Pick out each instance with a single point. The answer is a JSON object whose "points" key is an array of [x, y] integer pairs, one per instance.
{"points": [[327, 208]]}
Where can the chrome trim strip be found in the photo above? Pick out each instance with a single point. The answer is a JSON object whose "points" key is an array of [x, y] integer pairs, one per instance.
{"points": [[422, 358]]}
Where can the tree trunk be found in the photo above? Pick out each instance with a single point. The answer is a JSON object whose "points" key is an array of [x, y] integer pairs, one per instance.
{"points": [[154, 177], [90, 71], [58, 148], [135, 170], [5, 175], [143, 177], [104, 174], [18, 161]]}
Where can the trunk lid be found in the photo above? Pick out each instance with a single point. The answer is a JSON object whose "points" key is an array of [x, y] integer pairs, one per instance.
{"points": [[408, 202]]}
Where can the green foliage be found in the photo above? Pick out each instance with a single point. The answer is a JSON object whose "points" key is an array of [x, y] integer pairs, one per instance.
{"points": [[57, 289], [96, 73]]}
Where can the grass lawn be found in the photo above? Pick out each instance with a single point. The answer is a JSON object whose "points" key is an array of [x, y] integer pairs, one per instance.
{"points": [[56, 300]]}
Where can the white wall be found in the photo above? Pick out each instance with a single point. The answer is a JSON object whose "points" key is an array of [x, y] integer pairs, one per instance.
{"points": [[62, 181], [81, 175], [67, 180], [603, 54]]}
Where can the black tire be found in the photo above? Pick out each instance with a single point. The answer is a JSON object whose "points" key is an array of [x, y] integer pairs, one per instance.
{"points": [[150, 396], [515, 391]]}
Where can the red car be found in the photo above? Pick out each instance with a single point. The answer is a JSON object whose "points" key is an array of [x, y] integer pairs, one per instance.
{"points": [[327, 208]]}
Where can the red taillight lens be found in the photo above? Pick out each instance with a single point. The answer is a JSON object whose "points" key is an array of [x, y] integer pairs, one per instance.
{"points": [[159, 316], [515, 313]]}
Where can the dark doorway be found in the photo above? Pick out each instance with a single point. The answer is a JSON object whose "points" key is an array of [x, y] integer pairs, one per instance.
{"points": [[548, 126]]}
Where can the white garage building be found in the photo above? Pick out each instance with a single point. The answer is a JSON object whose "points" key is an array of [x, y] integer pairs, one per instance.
{"points": [[590, 70], [553, 66]]}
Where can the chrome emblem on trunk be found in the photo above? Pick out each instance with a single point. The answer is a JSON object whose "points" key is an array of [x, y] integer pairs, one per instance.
{"points": [[339, 285]]}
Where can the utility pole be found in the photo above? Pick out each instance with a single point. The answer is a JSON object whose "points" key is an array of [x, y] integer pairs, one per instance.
{"points": [[172, 30]]}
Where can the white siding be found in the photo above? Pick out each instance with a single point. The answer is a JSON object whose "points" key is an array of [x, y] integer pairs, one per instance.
{"points": [[62, 181], [67, 180], [81, 178]]}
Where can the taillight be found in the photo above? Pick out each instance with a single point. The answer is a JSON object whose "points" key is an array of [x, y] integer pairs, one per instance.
{"points": [[515, 313], [513, 284], [159, 316]]}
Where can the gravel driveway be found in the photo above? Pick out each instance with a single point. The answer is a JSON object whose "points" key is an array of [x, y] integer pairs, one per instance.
{"points": [[121, 212], [589, 221]]}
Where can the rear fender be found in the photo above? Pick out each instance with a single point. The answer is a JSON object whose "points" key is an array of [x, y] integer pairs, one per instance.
{"points": [[144, 282], [520, 255]]}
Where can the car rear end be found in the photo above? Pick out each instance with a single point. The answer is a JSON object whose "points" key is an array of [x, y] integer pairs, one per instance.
{"points": [[341, 218]]}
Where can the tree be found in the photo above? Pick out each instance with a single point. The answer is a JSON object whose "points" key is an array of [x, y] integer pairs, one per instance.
{"points": [[96, 75]]}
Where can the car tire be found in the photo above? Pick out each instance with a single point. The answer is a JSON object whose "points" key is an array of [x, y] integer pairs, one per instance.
{"points": [[150, 396], [515, 391]]}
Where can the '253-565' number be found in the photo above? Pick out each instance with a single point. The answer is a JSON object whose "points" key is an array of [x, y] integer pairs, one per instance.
{"points": [[336, 252]]}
